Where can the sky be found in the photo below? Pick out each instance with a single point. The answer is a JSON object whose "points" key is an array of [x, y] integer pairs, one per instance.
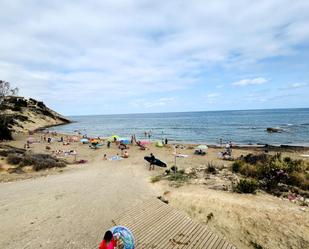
{"points": [[141, 56]]}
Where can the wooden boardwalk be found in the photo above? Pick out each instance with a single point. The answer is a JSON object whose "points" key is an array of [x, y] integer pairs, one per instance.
{"points": [[158, 225]]}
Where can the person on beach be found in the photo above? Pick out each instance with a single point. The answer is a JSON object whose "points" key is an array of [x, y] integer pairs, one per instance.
{"points": [[166, 141], [125, 154], [105, 157], [108, 242], [151, 163], [108, 144]]}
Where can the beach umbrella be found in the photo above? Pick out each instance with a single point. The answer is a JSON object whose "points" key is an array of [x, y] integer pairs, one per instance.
{"points": [[84, 140], [94, 140], [125, 236], [125, 140], [201, 147], [143, 142], [159, 144], [112, 138]]}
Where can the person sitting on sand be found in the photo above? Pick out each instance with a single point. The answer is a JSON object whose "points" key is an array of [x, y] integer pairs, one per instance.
{"points": [[105, 157], [122, 146], [108, 242], [125, 154]]}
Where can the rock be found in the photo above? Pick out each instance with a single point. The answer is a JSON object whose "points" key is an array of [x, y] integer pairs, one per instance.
{"points": [[273, 129]]}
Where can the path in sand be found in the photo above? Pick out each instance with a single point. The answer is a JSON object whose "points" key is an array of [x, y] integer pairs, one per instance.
{"points": [[70, 210]]}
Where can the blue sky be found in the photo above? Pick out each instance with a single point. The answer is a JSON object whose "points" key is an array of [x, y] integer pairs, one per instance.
{"points": [[125, 56]]}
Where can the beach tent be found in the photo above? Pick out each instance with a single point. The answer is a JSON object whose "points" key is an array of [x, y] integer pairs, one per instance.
{"points": [[112, 138], [159, 144]]}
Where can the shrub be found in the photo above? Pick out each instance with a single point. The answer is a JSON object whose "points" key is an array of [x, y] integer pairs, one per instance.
{"points": [[236, 166], [14, 158], [5, 132], [299, 179], [155, 179], [181, 171], [178, 177], [38, 161], [256, 245], [249, 170], [253, 159], [211, 168], [16, 108], [247, 186]]}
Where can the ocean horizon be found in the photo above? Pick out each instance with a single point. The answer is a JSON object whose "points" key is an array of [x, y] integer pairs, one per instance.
{"points": [[238, 126]]}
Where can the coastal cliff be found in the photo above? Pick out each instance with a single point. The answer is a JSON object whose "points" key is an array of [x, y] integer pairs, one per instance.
{"points": [[25, 115]]}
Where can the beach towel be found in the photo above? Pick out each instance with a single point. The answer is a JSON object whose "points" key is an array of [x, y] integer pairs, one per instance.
{"points": [[181, 155], [115, 158]]}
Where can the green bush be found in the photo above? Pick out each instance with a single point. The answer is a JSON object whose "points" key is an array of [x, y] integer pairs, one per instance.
{"points": [[5, 132], [299, 179], [14, 158], [178, 177], [236, 166], [247, 186], [181, 171], [249, 170], [155, 179], [38, 161]]}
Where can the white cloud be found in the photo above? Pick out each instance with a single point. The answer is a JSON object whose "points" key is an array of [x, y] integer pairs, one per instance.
{"points": [[213, 95], [246, 82], [294, 86]]}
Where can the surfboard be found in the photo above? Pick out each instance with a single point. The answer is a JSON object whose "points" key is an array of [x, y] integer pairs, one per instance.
{"points": [[156, 162]]}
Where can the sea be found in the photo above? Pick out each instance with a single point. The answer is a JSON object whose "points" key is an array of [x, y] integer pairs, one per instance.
{"points": [[241, 127]]}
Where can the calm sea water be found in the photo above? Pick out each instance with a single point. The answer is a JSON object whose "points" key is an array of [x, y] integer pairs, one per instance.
{"points": [[243, 127]]}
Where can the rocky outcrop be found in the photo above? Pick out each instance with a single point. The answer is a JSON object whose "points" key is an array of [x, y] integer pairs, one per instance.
{"points": [[25, 115]]}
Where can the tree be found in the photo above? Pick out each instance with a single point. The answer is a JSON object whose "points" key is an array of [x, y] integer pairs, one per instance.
{"points": [[6, 90]]}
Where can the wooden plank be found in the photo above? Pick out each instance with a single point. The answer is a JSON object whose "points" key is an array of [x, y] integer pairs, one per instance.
{"points": [[161, 228], [156, 225]]}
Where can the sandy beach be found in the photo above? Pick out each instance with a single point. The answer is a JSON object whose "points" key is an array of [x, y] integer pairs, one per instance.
{"points": [[72, 207]]}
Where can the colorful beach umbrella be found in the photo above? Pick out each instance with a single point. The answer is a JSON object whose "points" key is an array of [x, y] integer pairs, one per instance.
{"points": [[159, 144], [112, 138], [125, 140], [143, 142]]}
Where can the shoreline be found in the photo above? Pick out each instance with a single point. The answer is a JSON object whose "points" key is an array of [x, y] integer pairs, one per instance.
{"points": [[295, 146]]}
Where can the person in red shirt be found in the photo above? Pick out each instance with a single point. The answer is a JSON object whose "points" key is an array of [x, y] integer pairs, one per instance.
{"points": [[108, 241]]}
